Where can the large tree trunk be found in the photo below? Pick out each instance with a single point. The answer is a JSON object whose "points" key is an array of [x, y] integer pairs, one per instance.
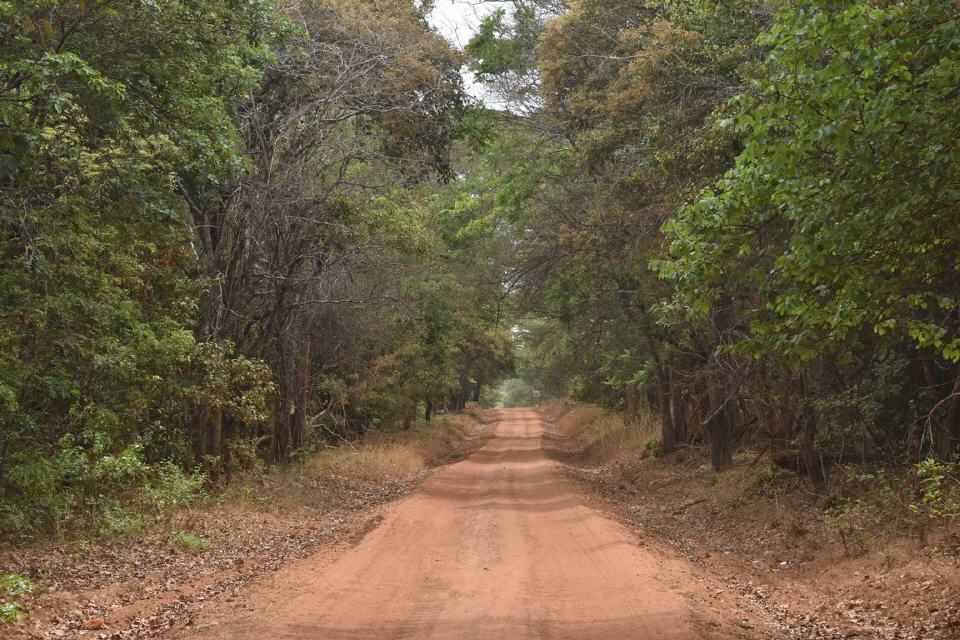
{"points": [[808, 449], [721, 449], [948, 432], [216, 433], [427, 410]]}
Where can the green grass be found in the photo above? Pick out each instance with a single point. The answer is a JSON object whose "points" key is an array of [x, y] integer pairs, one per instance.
{"points": [[11, 612], [191, 541]]}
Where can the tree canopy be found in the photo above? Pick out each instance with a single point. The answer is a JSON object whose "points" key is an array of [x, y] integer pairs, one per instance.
{"points": [[232, 231]]}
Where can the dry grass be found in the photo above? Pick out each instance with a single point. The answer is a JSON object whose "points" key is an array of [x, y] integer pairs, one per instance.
{"points": [[393, 454], [601, 437], [369, 462], [381, 466], [609, 438]]}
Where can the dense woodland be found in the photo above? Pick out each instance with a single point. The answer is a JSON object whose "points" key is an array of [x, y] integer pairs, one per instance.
{"points": [[231, 232]]}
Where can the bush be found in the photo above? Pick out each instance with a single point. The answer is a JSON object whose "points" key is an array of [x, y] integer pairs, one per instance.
{"points": [[939, 495], [70, 487], [853, 521], [171, 489], [13, 586], [81, 486], [769, 482], [11, 612], [191, 541], [651, 447]]}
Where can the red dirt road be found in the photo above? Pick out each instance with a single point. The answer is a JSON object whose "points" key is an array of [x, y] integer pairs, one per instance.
{"points": [[500, 546]]}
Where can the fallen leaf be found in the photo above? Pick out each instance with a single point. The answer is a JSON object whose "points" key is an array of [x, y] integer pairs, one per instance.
{"points": [[94, 624]]}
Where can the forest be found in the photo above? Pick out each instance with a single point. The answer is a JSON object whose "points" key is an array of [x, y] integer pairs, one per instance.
{"points": [[233, 233]]}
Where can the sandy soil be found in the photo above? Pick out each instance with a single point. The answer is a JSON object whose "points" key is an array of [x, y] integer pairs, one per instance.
{"points": [[500, 546]]}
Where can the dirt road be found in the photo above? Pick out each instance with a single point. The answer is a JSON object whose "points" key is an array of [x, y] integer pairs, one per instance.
{"points": [[500, 546]]}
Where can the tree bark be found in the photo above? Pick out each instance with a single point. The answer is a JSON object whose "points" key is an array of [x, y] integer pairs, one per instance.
{"points": [[808, 449], [948, 433], [299, 421], [721, 451], [668, 435], [678, 412], [216, 433]]}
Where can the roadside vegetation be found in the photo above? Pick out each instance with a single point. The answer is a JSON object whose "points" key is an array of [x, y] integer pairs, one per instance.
{"points": [[220, 248], [250, 248], [740, 218], [224, 538], [869, 559]]}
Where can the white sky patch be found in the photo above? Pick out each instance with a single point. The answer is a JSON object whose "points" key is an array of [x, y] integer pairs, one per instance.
{"points": [[458, 20]]}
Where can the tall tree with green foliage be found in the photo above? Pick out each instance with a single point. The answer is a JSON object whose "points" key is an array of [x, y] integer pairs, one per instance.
{"points": [[842, 208]]}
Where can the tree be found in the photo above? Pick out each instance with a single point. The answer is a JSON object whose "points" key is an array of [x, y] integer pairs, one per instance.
{"points": [[96, 299], [840, 208]]}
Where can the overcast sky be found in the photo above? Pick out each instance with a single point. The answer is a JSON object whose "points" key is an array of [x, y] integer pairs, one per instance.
{"points": [[458, 20]]}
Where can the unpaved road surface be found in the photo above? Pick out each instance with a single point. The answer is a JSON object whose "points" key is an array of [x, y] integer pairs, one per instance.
{"points": [[501, 546]]}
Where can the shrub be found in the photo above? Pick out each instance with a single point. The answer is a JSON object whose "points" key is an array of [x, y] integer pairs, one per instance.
{"points": [[939, 495], [13, 586], [887, 556], [852, 521], [191, 541], [651, 447], [171, 489], [69, 487], [769, 482], [11, 612]]}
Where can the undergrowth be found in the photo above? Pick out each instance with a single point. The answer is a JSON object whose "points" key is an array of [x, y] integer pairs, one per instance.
{"points": [[191, 541], [13, 587], [917, 501], [864, 508], [165, 496]]}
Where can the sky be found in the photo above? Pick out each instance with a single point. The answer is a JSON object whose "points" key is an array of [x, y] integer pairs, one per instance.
{"points": [[457, 20]]}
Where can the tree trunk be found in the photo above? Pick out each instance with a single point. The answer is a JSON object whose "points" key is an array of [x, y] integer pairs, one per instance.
{"points": [[678, 412], [721, 452], [216, 433], [427, 410], [948, 433], [198, 430], [668, 435], [299, 419], [808, 448], [282, 425], [476, 390]]}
